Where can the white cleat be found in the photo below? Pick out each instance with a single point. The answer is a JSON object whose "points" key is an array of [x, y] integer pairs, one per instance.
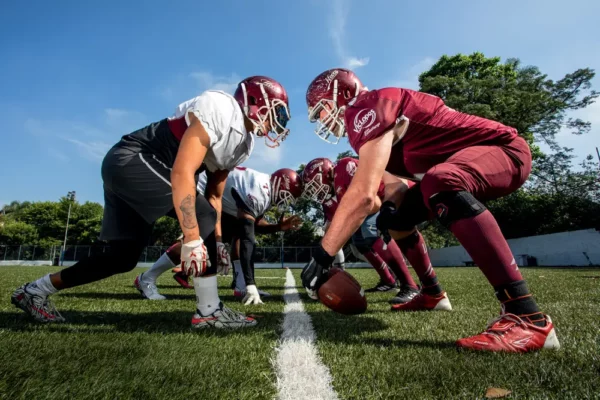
{"points": [[147, 290]]}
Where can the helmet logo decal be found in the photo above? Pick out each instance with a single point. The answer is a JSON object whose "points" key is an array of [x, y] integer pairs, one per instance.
{"points": [[329, 78]]}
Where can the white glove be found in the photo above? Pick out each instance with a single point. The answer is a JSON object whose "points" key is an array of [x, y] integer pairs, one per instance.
{"points": [[223, 259], [194, 258], [252, 296]]}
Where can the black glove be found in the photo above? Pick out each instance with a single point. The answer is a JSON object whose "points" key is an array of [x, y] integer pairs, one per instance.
{"points": [[386, 214], [316, 272]]}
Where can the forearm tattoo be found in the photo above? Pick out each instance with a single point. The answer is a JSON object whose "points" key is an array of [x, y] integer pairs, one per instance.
{"points": [[188, 210]]}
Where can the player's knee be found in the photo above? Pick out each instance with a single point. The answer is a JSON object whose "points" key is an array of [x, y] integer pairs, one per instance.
{"points": [[450, 207], [124, 256], [442, 178], [411, 212]]}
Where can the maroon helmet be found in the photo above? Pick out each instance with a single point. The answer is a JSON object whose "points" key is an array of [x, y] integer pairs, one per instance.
{"points": [[331, 92], [286, 187], [317, 178], [264, 99]]}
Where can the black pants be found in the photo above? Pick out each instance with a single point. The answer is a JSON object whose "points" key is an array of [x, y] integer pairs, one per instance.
{"points": [[137, 191]]}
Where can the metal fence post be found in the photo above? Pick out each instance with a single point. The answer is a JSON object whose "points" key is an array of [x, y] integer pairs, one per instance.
{"points": [[19, 255], [33, 254], [5, 251], [74, 254], [89, 251]]}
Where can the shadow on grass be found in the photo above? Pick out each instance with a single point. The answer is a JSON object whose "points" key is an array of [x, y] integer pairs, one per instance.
{"points": [[336, 328], [229, 300]]}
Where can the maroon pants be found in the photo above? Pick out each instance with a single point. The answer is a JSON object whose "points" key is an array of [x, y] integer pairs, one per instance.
{"points": [[487, 172]]}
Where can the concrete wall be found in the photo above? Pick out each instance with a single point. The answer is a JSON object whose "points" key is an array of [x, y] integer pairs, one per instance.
{"points": [[577, 248]]}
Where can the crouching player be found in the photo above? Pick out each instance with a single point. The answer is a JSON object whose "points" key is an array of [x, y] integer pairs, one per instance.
{"points": [[327, 183], [247, 197]]}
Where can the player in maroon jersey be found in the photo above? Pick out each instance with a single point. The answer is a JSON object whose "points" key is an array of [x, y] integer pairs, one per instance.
{"points": [[460, 160], [327, 183]]}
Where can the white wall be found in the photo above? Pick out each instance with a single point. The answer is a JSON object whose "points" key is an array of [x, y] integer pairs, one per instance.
{"points": [[557, 249]]}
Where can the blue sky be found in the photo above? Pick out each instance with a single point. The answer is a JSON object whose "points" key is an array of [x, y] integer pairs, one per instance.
{"points": [[75, 76]]}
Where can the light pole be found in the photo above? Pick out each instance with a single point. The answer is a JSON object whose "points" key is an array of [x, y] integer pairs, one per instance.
{"points": [[71, 199]]}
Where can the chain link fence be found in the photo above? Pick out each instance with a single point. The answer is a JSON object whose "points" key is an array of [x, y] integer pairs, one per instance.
{"points": [[267, 255]]}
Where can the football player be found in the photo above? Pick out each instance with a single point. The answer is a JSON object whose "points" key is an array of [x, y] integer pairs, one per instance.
{"points": [[460, 160], [247, 197], [152, 172], [327, 184]]}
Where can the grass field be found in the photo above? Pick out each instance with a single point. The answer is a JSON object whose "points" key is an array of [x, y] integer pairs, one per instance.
{"points": [[116, 345]]}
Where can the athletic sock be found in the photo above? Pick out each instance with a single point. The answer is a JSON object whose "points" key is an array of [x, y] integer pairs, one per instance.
{"points": [[395, 260], [482, 239], [42, 286], [163, 264], [414, 248], [385, 276], [207, 294], [516, 299]]}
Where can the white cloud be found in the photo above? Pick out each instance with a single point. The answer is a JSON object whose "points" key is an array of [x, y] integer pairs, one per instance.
{"points": [[263, 158], [410, 77], [90, 140], [337, 31], [93, 151], [207, 80]]}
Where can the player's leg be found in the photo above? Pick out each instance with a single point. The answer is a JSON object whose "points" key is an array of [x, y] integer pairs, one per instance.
{"points": [[392, 255], [146, 281], [411, 212], [126, 232], [453, 190], [363, 239]]}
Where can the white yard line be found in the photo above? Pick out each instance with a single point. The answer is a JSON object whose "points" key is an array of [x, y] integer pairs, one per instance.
{"points": [[300, 372]]}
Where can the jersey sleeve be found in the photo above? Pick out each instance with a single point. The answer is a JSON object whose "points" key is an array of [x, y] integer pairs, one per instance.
{"points": [[214, 114], [343, 173], [373, 114]]}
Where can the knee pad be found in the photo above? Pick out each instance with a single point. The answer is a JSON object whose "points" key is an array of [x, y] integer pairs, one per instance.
{"points": [[411, 212], [453, 206], [124, 255]]}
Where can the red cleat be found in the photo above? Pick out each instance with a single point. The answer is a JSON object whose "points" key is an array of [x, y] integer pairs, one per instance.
{"points": [[509, 333], [183, 280], [425, 302]]}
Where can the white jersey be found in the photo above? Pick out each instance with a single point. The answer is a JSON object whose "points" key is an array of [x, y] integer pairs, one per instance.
{"points": [[251, 187], [223, 120]]}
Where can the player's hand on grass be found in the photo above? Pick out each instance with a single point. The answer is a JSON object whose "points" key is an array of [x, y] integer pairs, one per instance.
{"points": [[252, 296], [194, 258], [223, 259], [316, 272]]}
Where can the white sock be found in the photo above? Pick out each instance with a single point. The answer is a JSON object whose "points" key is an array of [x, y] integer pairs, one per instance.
{"points": [[161, 265], [43, 286], [207, 294], [240, 282]]}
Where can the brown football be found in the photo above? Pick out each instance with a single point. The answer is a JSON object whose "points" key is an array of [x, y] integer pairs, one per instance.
{"points": [[342, 293]]}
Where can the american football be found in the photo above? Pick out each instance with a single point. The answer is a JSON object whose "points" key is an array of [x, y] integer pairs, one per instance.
{"points": [[342, 293]]}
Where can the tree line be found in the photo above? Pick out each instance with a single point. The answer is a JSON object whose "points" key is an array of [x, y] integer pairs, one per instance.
{"points": [[560, 195]]}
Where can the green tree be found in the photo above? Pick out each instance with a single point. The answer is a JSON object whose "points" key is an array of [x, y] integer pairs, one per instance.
{"points": [[17, 232], [518, 96]]}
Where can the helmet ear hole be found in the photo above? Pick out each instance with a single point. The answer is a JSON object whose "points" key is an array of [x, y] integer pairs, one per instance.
{"points": [[347, 94], [252, 101]]}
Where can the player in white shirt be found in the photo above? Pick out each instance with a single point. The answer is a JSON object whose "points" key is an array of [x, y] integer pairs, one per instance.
{"points": [[247, 197], [152, 172]]}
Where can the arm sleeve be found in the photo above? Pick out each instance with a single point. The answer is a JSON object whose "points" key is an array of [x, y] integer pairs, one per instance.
{"points": [[247, 249]]}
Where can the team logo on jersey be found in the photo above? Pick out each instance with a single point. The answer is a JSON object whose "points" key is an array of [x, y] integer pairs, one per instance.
{"points": [[364, 119], [351, 168], [329, 78]]}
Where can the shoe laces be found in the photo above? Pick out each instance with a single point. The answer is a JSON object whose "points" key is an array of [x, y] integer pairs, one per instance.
{"points": [[511, 319]]}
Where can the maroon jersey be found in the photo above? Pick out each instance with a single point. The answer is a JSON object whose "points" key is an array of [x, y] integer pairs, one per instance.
{"points": [[343, 172], [434, 132], [329, 208]]}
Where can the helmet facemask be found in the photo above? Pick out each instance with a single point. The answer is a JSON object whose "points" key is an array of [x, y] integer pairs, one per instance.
{"points": [[275, 111], [316, 190]]}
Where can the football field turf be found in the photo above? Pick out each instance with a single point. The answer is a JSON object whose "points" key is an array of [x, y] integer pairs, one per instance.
{"points": [[115, 345]]}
